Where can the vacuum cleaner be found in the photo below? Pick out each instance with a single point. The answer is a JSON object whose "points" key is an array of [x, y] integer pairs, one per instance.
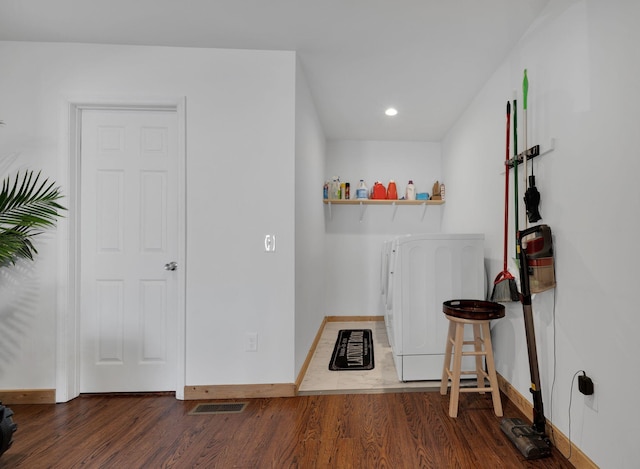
{"points": [[531, 440], [7, 428]]}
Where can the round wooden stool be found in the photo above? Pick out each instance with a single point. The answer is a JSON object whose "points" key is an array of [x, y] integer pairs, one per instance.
{"points": [[478, 314]]}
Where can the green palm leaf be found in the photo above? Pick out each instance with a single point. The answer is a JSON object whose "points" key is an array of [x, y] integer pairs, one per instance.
{"points": [[27, 206]]}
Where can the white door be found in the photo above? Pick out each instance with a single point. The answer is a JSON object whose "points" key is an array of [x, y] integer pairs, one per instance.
{"points": [[129, 238]]}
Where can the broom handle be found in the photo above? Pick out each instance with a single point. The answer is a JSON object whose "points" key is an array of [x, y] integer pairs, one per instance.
{"points": [[516, 202], [506, 191], [525, 92]]}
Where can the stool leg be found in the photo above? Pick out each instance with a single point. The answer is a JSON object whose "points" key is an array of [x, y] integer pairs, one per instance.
{"points": [[447, 359], [491, 369], [477, 345], [457, 368]]}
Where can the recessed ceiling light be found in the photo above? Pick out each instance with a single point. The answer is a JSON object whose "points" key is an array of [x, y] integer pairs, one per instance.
{"points": [[391, 112]]}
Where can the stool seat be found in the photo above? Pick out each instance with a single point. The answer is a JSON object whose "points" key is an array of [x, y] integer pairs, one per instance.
{"points": [[478, 314], [476, 310]]}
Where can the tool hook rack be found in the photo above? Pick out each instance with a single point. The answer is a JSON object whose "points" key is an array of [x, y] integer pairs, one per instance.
{"points": [[530, 154]]}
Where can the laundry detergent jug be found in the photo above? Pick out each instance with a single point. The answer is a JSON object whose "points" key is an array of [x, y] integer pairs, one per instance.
{"points": [[379, 192], [392, 190]]}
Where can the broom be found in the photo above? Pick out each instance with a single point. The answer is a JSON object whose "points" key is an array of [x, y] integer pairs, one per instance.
{"points": [[504, 286]]}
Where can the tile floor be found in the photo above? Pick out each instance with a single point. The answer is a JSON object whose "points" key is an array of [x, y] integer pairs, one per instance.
{"points": [[383, 378]]}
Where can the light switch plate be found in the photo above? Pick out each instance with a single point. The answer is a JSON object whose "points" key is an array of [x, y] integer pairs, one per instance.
{"points": [[270, 243]]}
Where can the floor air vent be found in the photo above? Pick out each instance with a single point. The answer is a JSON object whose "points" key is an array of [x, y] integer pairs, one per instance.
{"points": [[222, 408]]}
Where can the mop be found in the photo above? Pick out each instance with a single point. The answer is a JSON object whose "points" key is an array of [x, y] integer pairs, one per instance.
{"points": [[504, 286], [531, 196]]}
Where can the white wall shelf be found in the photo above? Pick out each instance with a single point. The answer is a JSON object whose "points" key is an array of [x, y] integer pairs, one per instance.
{"points": [[394, 203], [381, 202]]}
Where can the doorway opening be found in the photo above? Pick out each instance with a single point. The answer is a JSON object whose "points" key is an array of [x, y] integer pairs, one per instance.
{"points": [[69, 308]]}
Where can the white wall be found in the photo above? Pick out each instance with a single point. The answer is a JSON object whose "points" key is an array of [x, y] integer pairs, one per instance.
{"points": [[353, 246], [240, 128], [583, 70], [309, 221]]}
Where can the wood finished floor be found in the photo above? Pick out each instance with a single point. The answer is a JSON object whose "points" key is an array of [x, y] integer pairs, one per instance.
{"points": [[389, 430]]}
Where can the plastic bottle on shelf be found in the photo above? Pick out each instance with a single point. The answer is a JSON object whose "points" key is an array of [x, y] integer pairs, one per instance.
{"points": [[334, 188], [411, 191], [361, 191], [392, 191], [378, 192]]}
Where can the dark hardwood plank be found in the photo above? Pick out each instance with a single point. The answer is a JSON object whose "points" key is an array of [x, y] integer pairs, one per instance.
{"points": [[394, 430]]}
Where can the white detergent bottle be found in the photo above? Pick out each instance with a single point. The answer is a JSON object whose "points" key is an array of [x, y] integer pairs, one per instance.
{"points": [[411, 191], [361, 191]]}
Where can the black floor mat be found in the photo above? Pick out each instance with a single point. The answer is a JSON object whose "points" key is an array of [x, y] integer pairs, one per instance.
{"points": [[353, 350]]}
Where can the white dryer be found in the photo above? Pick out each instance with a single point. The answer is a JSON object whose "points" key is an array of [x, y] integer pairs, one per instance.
{"points": [[422, 272]]}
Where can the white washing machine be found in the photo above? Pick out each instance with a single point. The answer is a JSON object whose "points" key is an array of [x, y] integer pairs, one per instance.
{"points": [[422, 271]]}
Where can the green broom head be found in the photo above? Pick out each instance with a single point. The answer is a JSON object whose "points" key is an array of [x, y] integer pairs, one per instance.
{"points": [[505, 288]]}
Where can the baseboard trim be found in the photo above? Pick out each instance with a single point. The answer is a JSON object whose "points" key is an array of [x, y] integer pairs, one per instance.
{"points": [[239, 391], [28, 396], [560, 441], [312, 350], [353, 318]]}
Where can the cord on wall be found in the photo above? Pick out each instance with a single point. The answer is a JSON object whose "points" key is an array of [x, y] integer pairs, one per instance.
{"points": [[553, 382]]}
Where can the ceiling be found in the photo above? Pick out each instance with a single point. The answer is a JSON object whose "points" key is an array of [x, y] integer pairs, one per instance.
{"points": [[427, 58]]}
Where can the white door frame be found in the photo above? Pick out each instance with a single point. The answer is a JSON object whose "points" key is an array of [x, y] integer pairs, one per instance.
{"points": [[68, 347]]}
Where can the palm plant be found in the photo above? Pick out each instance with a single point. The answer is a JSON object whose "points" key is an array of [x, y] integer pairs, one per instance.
{"points": [[27, 206]]}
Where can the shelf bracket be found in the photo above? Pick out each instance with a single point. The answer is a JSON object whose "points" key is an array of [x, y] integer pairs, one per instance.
{"points": [[330, 215], [395, 209], [424, 211], [363, 207]]}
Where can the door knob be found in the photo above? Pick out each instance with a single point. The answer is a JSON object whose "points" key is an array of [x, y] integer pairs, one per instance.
{"points": [[171, 266]]}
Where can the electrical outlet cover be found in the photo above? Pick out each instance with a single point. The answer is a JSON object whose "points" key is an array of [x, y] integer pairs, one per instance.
{"points": [[252, 342]]}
